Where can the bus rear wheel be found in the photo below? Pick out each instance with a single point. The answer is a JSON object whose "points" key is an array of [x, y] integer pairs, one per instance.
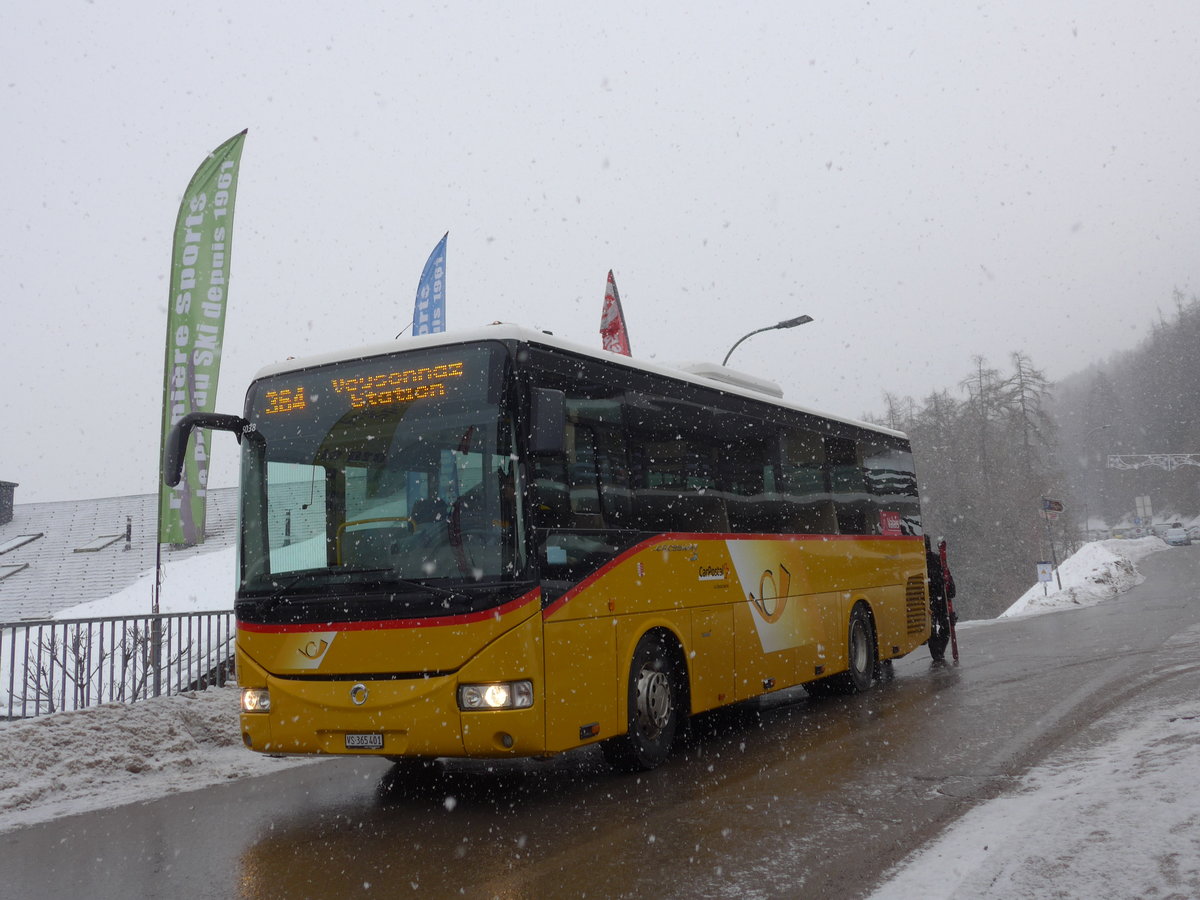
{"points": [[654, 701], [861, 655], [861, 646]]}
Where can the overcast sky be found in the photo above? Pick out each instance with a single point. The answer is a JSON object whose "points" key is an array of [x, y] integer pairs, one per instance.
{"points": [[929, 184]]}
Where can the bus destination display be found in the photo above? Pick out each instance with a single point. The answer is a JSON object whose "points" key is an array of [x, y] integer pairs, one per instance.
{"points": [[379, 389]]}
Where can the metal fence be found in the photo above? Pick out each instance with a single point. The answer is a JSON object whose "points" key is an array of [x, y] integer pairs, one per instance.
{"points": [[60, 664]]}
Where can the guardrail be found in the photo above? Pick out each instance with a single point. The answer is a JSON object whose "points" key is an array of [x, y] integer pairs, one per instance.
{"points": [[60, 664]]}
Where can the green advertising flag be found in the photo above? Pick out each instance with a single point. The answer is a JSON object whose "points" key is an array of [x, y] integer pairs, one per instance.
{"points": [[195, 327]]}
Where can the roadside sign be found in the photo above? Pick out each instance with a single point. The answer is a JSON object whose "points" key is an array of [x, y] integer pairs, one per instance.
{"points": [[1052, 505], [1045, 571]]}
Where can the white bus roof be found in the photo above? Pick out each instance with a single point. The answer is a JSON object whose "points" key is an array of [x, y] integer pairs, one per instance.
{"points": [[706, 374]]}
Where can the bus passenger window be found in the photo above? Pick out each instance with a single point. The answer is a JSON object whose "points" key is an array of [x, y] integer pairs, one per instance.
{"points": [[892, 483], [746, 474], [674, 463], [585, 487], [804, 487], [849, 486], [549, 496], [583, 477]]}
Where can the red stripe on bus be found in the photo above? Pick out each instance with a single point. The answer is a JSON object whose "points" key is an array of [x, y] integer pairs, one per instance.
{"points": [[708, 536], [388, 624], [818, 537], [612, 564]]}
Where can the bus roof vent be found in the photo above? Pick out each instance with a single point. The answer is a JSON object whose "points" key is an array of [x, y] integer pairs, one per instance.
{"points": [[725, 375]]}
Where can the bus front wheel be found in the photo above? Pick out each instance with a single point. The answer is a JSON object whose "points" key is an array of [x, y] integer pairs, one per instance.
{"points": [[654, 699]]}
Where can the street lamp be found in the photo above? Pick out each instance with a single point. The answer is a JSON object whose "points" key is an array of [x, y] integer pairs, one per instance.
{"points": [[786, 323]]}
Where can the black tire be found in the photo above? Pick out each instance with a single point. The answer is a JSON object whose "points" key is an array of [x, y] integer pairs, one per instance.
{"points": [[862, 655], [861, 651], [654, 699]]}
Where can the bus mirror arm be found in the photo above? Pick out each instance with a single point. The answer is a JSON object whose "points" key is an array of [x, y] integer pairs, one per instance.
{"points": [[181, 432]]}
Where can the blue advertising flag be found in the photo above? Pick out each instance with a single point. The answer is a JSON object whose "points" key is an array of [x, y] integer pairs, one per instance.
{"points": [[429, 313]]}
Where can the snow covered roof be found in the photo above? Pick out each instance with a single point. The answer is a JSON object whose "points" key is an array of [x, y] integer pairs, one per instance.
{"points": [[68, 552]]}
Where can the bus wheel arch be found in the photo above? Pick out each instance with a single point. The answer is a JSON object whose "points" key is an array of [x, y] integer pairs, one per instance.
{"points": [[862, 656], [657, 703]]}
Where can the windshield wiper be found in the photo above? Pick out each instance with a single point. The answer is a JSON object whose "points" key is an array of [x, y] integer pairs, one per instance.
{"points": [[408, 582], [291, 582], [277, 594], [338, 578]]}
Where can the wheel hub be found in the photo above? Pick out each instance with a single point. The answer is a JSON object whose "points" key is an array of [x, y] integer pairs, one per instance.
{"points": [[653, 701], [859, 652]]}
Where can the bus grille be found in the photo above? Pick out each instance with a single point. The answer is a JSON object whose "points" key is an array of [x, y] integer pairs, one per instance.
{"points": [[915, 605]]}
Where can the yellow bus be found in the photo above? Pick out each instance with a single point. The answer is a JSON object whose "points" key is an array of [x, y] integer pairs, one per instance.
{"points": [[498, 543]]}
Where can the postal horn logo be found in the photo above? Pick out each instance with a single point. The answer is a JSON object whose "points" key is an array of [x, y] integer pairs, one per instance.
{"points": [[314, 649], [310, 649], [772, 599]]}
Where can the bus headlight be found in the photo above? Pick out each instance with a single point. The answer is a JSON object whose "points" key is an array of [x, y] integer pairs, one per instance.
{"points": [[256, 700], [502, 695]]}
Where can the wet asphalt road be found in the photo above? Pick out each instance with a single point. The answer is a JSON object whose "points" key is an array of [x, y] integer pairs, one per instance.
{"points": [[790, 797]]}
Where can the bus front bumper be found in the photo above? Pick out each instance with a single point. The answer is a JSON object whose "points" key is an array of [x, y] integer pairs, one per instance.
{"points": [[417, 717]]}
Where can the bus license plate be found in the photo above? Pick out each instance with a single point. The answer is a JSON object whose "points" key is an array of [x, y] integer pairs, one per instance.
{"points": [[364, 741]]}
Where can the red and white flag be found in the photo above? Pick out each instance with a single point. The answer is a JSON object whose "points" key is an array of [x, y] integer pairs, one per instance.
{"points": [[612, 321]]}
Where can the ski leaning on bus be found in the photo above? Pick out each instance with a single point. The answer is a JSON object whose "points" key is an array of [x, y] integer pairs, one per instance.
{"points": [[941, 601]]}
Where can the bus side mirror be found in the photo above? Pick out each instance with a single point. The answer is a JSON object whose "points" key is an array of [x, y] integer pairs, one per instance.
{"points": [[181, 432], [548, 422]]}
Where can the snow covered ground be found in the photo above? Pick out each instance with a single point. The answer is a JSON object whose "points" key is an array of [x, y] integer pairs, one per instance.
{"points": [[1063, 833], [1119, 820], [1098, 571]]}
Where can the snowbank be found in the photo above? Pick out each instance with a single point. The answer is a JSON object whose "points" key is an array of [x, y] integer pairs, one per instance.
{"points": [[111, 755], [1098, 571]]}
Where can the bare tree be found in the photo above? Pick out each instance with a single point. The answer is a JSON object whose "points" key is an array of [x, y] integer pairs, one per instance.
{"points": [[1026, 395], [985, 400]]}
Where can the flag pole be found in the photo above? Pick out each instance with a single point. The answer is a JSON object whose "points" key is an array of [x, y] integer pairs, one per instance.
{"points": [[196, 301]]}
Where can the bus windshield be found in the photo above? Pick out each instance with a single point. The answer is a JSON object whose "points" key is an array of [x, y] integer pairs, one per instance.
{"points": [[379, 471]]}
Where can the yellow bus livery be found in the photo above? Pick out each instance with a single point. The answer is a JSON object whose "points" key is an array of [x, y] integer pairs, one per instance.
{"points": [[501, 544]]}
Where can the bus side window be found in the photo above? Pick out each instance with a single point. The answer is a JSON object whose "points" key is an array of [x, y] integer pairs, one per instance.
{"points": [[549, 494], [612, 473], [747, 475], [849, 486], [803, 485], [891, 480], [584, 487], [674, 461], [583, 477]]}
